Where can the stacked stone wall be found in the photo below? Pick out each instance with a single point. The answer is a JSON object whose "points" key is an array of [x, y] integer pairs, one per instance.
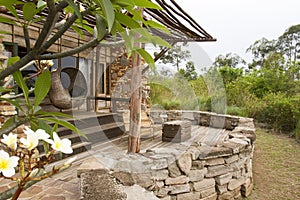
{"points": [[198, 170]]}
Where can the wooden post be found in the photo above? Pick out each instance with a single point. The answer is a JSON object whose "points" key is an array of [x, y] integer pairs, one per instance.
{"points": [[135, 107]]}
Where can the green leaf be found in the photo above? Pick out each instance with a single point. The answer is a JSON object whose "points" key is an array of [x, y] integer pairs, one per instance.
{"points": [[77, 30], [65, 124], [13, 60], [29, 10], [127, 21], [156, 25], [34, 124], [147, 57], [13, 11], [109, 12], [10, 2], [123, 3], [8, 123], [21, 83], [156, 40], [54, 114], [43, 125], [101, 27], [146, 4], [42, 87], [75, 8], [37, 19], [6, 20]]}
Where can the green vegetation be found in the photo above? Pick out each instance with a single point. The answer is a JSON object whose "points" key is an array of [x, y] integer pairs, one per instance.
{"points": [[266, 89]]}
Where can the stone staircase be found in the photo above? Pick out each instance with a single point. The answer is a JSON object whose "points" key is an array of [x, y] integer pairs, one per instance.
{"points": [[97, 128]]}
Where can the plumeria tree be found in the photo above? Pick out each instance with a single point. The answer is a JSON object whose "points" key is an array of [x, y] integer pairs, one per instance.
{"points": [[22, 153], [111, 18]]}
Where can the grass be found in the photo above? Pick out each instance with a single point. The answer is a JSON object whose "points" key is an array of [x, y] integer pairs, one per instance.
{"points": [[276, 167]]}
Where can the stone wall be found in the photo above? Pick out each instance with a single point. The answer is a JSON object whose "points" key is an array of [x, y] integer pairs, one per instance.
{"points": [[120, 83], [198, 170]]}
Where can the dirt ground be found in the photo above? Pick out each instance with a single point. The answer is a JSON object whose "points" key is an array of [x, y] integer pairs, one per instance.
{"points": [[276, 167]]}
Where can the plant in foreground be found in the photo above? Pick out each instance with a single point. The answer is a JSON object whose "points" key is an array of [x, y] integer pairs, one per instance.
{"points": [[22, 154]]}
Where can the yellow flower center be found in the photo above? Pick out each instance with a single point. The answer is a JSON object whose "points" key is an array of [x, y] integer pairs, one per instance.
{"points": [[58, 145], [3, 164], [11, 142]]}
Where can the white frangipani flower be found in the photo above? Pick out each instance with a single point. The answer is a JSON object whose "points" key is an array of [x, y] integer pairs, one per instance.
{"points": [[32, 139], [40, 133], [63, 145], [8, 164], [10, 140]]}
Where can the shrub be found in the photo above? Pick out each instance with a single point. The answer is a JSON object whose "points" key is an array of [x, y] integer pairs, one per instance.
{"points": [[238, 111], [279, 111], [171, 104]]}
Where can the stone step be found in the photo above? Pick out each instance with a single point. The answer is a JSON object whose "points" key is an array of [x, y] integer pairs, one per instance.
{"points": [[94, 134]]}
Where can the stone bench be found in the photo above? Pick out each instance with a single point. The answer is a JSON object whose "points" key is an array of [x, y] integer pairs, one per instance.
{"points": [[176, 131]]}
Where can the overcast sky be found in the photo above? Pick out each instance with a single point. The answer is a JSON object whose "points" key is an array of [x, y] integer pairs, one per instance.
{"points": [[239, 23]]}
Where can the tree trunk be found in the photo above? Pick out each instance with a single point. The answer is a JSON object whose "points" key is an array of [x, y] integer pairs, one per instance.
{"points": [[135, 107]]}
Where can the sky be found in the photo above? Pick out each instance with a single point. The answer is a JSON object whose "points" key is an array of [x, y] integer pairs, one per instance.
{"points": [[239, 23]]}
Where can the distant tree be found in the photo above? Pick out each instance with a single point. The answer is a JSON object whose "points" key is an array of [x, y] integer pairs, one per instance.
{"points": [[289, 43], [230, 60], [190, 72], [260, 50], [176, 55]]}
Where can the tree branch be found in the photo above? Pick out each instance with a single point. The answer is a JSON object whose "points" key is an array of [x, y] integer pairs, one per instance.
{"points": [[61, 5], [87, 45], [50, 20], [27, 38], [61, 31], [14, 67]]}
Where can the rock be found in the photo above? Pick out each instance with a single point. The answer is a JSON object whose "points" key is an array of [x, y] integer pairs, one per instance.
{"points": [[214, 171], [136, 192], [211, 197], [236, 183], [185, 163], [177, 189], [223, 179], [163, 192], [159, 164], [197, 175], [124, 177], [144, 180], [189, 196], [197, 164], [195, 152], [174, 171], [214, 161], [160, 175], [176, 181], [247, 188], [207, 192], [231, 159], [221, 189], [206, 183]]}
